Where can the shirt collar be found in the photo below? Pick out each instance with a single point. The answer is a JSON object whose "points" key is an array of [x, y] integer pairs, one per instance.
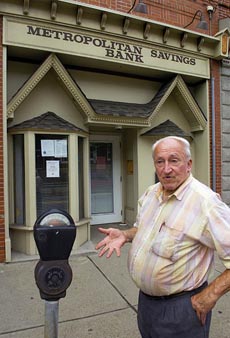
{"points": [[179, 193]]}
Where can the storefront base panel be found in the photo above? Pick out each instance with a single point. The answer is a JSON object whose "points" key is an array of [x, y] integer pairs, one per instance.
{"points": [[83, 234], [22, 240]]}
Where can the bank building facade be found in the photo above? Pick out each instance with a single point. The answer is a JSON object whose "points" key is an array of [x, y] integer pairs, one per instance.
{"points": [[85, 92]]}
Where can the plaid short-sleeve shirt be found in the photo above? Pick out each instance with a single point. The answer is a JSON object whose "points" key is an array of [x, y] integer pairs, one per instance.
{"points": [[173, 249]]}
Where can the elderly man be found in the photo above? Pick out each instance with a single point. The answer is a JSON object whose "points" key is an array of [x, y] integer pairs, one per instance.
{"points": [[180, 223]]}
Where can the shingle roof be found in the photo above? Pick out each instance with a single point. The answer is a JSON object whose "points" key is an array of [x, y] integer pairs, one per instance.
{"points": [[104, 107], [46, 121], [166, 128]]}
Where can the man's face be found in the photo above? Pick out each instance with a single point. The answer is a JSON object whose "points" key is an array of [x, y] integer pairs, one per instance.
{"points": [[172, 165]]}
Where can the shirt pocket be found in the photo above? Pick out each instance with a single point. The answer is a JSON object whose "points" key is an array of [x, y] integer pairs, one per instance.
{"points": [[167, 242]]}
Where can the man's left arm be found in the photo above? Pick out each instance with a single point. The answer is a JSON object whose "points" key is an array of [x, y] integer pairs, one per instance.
{"points": [[204, 301]]}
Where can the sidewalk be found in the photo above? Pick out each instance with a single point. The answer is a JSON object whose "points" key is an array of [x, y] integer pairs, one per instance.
{"points": [[100, 302]]}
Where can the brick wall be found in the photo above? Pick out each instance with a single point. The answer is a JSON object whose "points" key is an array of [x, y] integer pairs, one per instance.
{"points": [[2, 221], [174, 12], [215, 74], [225, 108]]}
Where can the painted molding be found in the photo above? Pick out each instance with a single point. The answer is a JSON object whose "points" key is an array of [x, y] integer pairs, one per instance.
{"points": [[51, 62]]}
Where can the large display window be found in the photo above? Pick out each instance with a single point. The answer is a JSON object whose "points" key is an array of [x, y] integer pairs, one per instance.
{"points": [[19, 179], [52, 179]]}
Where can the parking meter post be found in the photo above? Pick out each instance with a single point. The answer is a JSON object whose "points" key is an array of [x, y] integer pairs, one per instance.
{"points": [[51, 319]]}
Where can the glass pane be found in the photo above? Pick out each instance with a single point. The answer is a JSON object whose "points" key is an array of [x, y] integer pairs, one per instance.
{"points": [[19, 180], [101, 178], [52, 182]]}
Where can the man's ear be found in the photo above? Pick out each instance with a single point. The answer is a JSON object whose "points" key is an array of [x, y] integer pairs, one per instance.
{"points": [[189, 165]]}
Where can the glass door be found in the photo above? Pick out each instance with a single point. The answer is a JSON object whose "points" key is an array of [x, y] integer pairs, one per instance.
{"points": [[105, 179]]}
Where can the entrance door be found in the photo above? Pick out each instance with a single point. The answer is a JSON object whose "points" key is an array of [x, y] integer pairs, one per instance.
{"points": [[105, 179]]}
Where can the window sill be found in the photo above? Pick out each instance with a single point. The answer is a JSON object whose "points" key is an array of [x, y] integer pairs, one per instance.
{"points": [[21, 228]]}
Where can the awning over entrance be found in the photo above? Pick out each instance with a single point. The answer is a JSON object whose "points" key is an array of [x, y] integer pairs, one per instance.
{"points": [[167, 128]]}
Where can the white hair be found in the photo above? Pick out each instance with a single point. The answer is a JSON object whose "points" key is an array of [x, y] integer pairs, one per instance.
{"points": [[182, 140]]}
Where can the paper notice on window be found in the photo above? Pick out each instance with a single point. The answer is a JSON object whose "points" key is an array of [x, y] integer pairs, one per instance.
{"points": [[52, 169], [47, 148], [60, 148]]}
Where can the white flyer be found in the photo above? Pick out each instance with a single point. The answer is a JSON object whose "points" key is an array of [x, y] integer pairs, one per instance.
{"points": [[60, 148], [47, 148], [52, 169]]}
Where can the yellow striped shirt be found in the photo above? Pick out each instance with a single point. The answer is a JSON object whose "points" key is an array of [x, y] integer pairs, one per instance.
{"points": [[173, 249]]}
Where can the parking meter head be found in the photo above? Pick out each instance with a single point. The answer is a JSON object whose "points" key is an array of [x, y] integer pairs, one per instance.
{"points": [[54, 234]]}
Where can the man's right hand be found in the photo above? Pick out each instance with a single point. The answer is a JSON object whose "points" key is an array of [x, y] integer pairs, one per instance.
{"points": [[113, 241]]}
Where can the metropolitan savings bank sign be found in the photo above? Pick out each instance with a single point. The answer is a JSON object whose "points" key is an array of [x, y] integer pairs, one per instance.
{"points": [[89, 46]]}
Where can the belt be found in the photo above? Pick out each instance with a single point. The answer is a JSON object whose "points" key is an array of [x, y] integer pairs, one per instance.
{"points": [[175, 295]]}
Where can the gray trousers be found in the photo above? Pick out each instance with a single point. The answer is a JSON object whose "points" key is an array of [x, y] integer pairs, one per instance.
{"points": [[170, 318]]}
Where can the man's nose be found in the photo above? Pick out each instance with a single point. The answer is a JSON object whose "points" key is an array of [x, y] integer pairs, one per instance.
{"points": [[167, 167]]}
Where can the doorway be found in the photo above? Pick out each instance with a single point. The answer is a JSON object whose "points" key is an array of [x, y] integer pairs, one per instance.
{"points": [[105, 172]]}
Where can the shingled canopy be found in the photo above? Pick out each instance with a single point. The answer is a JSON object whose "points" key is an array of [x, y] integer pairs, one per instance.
{"points": [[167, 128], [47, 121], [103, 107]]}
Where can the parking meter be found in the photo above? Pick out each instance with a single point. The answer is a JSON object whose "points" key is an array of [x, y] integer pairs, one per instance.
{"points": [[54, 234]]}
